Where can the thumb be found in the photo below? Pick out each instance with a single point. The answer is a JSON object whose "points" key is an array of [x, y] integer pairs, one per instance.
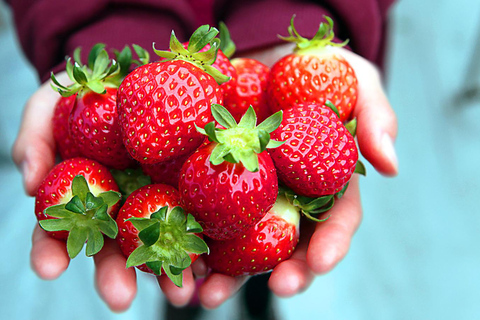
{"points": [[377, 122]]}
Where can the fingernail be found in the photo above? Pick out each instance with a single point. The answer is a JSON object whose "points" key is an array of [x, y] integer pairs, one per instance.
{"points": [[388, 150]]}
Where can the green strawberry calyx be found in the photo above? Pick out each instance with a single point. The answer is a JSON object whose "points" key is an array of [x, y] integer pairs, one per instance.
{"points": [[100, 72], [242, 141], [129, 180], [168, 236], [309, 207], [227, 45], [85, 217], [203, 36], [322, 38]]}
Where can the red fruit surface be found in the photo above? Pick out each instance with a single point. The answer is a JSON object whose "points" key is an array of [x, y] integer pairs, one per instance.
{"points": [[64, 143], [56, 188], [95, 128], [250, 89], [313, 78], [167, 172], [142, 203], [260, 248], [319, 154], [160, 104], [224, 65], [226, 199]]}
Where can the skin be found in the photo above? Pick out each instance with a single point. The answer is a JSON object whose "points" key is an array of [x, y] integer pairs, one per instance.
{"points": [[322, 246]]}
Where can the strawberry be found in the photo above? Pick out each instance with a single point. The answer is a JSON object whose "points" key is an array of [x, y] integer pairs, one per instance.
{"points": [[229, 184], [93, 121], [155, 234], [315, 72], [66, 146], [77, 202], [319, 155], [260, 248], [223, 64], [161, 103], [96, 130], [250, 89]]}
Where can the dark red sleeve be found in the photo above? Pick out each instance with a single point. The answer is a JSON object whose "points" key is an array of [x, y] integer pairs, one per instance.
{"points": [[255, 24], [49, 30]]}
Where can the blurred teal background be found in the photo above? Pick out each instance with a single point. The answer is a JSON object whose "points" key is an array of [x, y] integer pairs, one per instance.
{"points": [[416, 254]]}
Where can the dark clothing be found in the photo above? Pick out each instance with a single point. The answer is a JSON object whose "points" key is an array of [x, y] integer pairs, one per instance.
{"points": [[51, 29]]}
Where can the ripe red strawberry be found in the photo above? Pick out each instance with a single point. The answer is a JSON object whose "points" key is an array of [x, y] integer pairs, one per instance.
{"points": [[224, 65], [229, 184], [77, 202], [250, 89], [156, 235], [260, 248], [93, 121], [161, 103], [314, 73], [95, 128], [65, 145], [319, 155]]}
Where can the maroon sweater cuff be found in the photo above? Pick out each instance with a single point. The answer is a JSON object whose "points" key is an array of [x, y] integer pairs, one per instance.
{"points": [[51, 30], [257, 24]]}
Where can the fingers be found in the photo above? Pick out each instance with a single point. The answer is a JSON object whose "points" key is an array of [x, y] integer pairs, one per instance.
{"points": [[48, 257], [293, 275], [330, 242], [218, 288], [178, 297], [115, 283], [34, 149], [199, 268], [377, 122]]}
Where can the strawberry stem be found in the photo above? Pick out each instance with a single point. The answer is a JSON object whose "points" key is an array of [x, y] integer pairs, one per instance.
{"points": [[100, 71], [227, 45], [85, 217], [168, 236], [310, 207], [129, 180], [240, 142], [322, 38], [203, 36]]}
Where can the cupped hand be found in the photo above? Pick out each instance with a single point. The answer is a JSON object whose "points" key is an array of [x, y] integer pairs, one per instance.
{"points": [[323, 245], [34, 154]]}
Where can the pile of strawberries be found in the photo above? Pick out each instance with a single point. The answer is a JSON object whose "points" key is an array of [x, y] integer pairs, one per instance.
{"points": [[196, 153]]}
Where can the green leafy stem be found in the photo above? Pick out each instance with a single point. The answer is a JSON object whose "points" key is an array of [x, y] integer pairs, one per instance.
{"points": [[168, 237], [243, 141], [85, 217]]}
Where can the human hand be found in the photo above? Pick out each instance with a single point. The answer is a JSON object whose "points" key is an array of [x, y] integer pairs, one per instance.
{"points": [[323, 245], [376, 132], [34, 154]]}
